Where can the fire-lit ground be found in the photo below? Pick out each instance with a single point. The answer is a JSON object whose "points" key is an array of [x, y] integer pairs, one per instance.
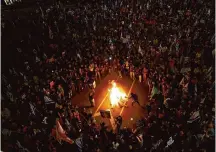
{"points": [[102, 99]]}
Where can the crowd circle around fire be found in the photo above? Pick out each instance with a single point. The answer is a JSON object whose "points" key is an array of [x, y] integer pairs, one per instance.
{"points": [[50, 53]]}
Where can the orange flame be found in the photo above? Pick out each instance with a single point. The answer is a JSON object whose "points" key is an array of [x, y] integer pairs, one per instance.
{"points": [[116, 95]]}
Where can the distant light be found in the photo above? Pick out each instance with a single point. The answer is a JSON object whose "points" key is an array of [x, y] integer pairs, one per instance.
{"points": [[110, 58]]}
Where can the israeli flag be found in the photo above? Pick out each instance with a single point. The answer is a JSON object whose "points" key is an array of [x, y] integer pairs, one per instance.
{"points": [[140, 50]]}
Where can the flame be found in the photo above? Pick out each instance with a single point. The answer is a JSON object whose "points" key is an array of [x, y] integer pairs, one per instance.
{"points": [[116, 95]]}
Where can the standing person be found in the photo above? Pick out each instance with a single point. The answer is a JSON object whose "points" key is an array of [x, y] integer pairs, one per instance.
{"points": [[119, 71], [134, 99], [140, 75], [91, 97], [145, 73], [132, 75], [118, 121], [127, 67], [97, 72]]}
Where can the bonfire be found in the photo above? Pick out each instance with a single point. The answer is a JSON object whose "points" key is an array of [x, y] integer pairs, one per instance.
{"points": [[116, 95]]}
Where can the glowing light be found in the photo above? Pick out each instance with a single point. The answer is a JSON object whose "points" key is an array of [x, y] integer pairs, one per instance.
{"points": [[116, 95]]}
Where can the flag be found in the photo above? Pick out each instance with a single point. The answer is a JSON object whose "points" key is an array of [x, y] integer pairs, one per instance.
{"points": [[157, 144], [115, 145], [33, 108], [140, 50], [61, 134], [6, 132], [48, 100], [195, 116], [79, 143], [50, 33], [42, 14], [21, 148], [78, 55], [140, 139], [19, 50], [154, 91], [45, 120], [169, 142], [23, 96], [37, 59]]}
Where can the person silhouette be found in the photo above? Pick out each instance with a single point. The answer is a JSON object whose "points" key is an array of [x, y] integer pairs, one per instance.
{"points": [[134, 98]]}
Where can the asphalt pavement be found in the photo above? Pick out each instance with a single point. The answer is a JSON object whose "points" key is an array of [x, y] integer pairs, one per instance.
{"points": [[130, 114]]}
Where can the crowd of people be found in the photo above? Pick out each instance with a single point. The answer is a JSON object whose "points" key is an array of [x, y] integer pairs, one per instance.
{"points": [[51, 53]]}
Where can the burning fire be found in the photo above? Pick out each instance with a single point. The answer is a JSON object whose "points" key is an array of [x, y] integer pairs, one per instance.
{"points": [[116, 95]]}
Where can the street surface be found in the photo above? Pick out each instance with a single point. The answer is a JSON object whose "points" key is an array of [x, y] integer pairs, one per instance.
{"points": [[129, 114]]}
